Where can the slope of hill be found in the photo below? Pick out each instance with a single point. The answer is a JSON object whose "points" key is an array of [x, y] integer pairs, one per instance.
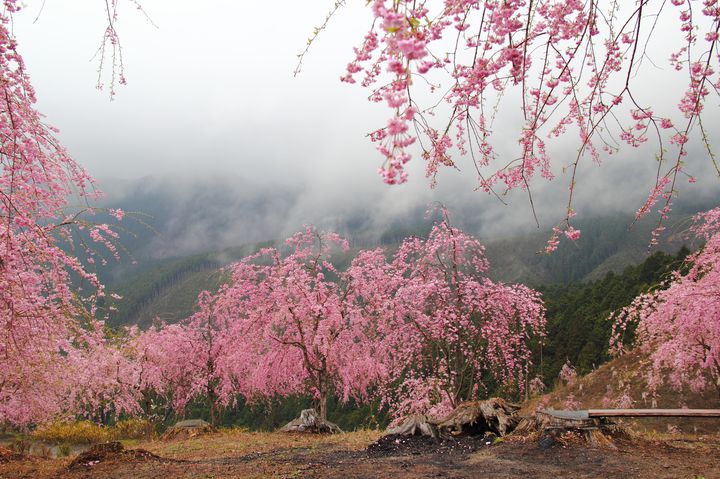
{"points": [[578, 329], [622, 383], [167, 288], [607, 244]]}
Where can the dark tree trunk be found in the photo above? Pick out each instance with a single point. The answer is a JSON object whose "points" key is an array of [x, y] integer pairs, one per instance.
{"points": [[323, 388], [213, 414], [322, 405], [212, 398]]}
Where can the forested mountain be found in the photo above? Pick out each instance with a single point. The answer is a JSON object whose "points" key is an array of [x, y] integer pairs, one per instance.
{"points": [[167, 287], [176, 217], [578, 329]]}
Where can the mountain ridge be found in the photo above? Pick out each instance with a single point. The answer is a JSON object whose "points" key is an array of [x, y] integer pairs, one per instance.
{"points": [[167, 287]]}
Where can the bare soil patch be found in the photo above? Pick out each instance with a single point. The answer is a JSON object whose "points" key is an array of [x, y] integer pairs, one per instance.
{"points": [[113, 452]]}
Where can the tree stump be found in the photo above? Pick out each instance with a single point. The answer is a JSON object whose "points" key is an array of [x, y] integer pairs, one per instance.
{"points": [[475, 418], [187, 429], [310, 422], [494, 415], [415, 425], [551, 425]]}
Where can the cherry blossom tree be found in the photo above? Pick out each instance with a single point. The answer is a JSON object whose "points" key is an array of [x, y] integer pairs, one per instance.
{"points": [[448, 69], [451, 329], [89, 376], [568, 374], [301, 329], [33, 384], [99, 380], [160, 376], [678, 325], [210, 340], [47, 297], [425, 331], [187, 361]]}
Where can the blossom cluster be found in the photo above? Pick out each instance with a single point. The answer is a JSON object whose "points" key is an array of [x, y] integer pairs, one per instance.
{"points": [[573, 66]]}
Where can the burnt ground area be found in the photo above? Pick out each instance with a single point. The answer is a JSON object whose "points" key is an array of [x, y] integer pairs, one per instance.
{"points": [[399, 445], [251, 455]]}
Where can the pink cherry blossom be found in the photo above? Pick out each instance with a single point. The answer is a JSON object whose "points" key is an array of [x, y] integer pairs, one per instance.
{"points": [[572, 66], [679, 324]]}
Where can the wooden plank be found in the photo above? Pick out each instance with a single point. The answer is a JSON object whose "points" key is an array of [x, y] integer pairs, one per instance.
{"points": [[563, 414], [653, 412]]}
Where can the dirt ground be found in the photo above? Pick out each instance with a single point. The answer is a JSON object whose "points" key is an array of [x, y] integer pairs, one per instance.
{"points": [[240, 454]]}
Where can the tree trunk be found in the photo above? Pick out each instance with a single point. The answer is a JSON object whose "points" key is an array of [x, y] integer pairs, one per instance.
{"points": [[478, 417], [323, 392], [322, 405], [213, 399]]}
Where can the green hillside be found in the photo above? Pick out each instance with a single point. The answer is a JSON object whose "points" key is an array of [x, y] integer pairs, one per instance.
{"points": [[607, 244], [168, 288], [578, 329]]}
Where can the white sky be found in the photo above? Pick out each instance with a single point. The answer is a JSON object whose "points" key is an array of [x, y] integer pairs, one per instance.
{"points": [[211, 90]]}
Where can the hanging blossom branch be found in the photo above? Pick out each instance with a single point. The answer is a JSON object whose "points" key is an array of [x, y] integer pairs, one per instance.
{"points": [[109, 53], [573, 65], [48, 299], [316, 32]]}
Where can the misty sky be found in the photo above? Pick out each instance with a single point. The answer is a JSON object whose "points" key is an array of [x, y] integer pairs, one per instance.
{"points": [[211, 93]]}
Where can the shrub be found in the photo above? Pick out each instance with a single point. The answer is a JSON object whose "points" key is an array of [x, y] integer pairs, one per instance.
{"points": [[133, 429], [89, 432], [73, 432]]}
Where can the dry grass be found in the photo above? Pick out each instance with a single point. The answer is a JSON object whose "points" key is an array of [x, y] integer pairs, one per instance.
{"points": [[237, 453], [240, 442], [87, 432]]}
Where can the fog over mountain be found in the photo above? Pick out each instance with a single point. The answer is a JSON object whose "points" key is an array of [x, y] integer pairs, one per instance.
{"points": [[221, 145], [179, 215]]}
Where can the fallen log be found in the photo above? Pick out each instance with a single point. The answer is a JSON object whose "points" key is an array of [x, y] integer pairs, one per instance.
{"points": [[653, 412]]}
